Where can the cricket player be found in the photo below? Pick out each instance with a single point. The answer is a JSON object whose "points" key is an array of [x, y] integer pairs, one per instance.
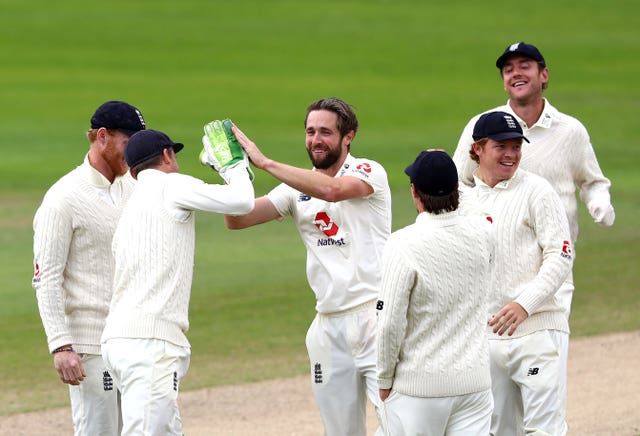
{"points": [[433, 353], [73, 265], [144, 343], [342, 208], [528, 327]]}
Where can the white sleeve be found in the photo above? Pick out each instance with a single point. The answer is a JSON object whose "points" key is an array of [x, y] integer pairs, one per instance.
{"points": [[189, 193], [371, 172], [552, 234], [397, 282], [281, 196], [591, 182], [53, 231]]}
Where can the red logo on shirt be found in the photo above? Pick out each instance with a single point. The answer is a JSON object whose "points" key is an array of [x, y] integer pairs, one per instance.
{"points": [[364, 167], [325, 225], [490, 219], [566, 250], [36, 271]]}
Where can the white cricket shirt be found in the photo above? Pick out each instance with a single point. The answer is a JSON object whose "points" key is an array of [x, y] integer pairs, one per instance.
{"points": [[345, 239]]}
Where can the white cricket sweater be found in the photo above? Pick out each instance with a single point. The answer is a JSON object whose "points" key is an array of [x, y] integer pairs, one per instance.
{"points": [[154, 247], [435, 279], [533, 251], [560, 151], [73, 263]]}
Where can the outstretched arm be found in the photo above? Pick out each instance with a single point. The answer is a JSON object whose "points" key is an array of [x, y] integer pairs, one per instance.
{"points": [[313, 183], [262, 212]]}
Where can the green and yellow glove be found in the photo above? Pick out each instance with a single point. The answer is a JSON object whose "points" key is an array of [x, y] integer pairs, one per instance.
{"points": [[221, 150]]}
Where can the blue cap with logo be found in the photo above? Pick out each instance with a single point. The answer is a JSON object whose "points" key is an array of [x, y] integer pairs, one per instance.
{"points": [[497, 126], [118, 115], [521, 48]]}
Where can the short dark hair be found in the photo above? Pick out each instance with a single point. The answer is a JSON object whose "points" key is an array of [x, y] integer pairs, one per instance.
{"points": [[439, 204], [152, 162], [347, 120]]}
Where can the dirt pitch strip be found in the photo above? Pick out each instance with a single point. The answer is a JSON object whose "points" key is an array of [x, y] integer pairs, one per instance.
{"points": [[603, 400]]}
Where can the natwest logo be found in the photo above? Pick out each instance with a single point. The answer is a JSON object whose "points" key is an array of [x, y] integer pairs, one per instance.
{"points": [[325, 224], [364, 167]]}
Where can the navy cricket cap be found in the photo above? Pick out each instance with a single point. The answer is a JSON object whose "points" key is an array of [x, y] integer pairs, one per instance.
{"points": [[497, 126], [523, 49], [433, 173], [145, 144], [118, 115]]}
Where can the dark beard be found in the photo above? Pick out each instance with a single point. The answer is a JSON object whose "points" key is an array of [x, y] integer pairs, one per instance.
{"points": [[326, 162]]}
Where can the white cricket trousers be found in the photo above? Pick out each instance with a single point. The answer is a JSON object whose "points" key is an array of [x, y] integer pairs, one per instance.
{"points": [[147, 372], [95, 403], [342, 355], [529, 384], [461, 415]]}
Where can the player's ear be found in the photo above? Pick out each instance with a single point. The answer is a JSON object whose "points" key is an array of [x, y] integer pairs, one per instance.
{"points": [[349, 137], [166, 155], [102, 135]]}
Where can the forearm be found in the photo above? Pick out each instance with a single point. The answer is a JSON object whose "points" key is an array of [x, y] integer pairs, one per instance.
{"points": [[236, 198], [310, 182]]}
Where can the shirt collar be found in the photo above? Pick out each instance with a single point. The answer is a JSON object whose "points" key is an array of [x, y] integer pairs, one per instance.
{"points": [[546, 117], [502, 185], [439, 220], [94, 176]]}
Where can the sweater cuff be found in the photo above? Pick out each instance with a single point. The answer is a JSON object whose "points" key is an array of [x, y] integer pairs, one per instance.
{"points": [[385, 383]]}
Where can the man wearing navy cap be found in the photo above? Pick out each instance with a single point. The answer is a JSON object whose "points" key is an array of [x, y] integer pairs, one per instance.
{"points": [[527, 326], [73, 265], [432, 351], [144, 343]]}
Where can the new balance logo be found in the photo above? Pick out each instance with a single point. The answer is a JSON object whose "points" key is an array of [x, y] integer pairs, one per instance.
{"points": [[304, 197], [317, 373], [107, 381], [533, 371]]}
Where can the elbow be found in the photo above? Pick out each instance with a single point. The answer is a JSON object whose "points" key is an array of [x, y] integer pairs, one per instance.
{"points": [[331, 194], [231, 223], [245, 206]]}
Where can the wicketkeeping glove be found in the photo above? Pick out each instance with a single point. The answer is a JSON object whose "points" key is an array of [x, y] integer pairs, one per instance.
{"points": [[221, 149]]}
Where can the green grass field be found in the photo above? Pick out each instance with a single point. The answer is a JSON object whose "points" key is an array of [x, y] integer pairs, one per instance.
{"points": [[415, 71]]}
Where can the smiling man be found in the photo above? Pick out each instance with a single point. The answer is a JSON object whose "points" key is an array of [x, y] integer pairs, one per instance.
{"points": [[342, 208], [527, 329]]}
